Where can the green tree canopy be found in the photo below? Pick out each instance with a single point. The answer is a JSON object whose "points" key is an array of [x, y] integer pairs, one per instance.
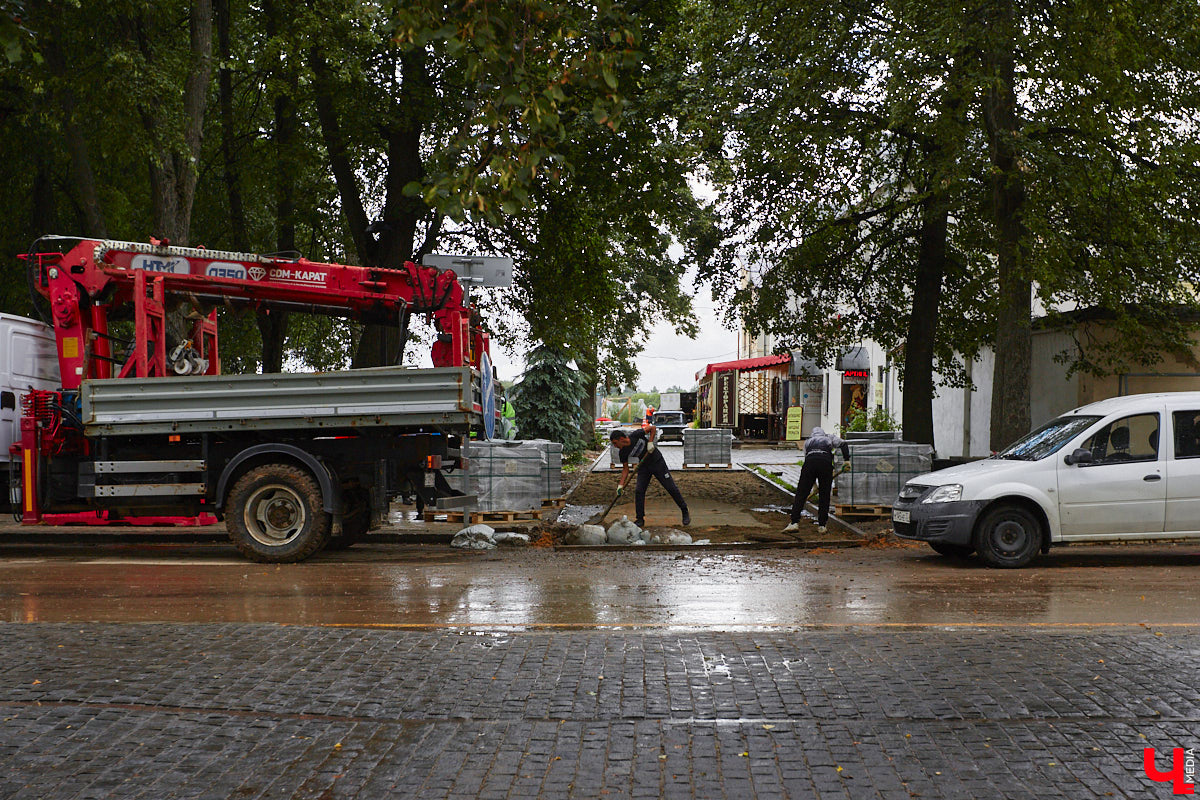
{"points": [[908, 172], [548, 399]]}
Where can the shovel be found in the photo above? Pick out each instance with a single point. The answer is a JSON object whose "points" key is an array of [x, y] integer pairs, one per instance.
{"points": [[598, 519]]}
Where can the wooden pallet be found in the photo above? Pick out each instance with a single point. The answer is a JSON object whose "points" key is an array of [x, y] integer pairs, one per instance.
{"points": [[862, 511], [474, 517], [554, 503]]}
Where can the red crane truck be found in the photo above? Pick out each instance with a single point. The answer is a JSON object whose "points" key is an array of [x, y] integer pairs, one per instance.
{"points": [[293, 463]]}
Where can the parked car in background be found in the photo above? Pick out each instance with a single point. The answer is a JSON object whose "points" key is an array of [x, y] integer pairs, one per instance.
{"points": [[670, 425], [1126, 468]]}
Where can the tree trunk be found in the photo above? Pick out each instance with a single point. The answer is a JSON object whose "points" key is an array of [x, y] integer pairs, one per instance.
{"points": [[324, 92], [588, 368], [41, 211], [174, 173], [272, 326], [397, 229], [83, 179], [917, 410], [1010, 417], [240, 238]]}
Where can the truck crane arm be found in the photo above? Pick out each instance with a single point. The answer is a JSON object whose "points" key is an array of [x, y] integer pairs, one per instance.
{"points": [[93, 278]]}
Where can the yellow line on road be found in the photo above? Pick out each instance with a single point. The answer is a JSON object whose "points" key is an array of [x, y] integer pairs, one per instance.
{"points": [[749, 626]]}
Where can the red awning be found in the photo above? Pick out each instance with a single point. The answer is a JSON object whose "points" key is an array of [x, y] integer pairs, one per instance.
{"points": [[750, 364]]}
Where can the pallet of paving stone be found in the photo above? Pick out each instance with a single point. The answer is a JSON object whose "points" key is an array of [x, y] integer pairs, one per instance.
{"points": [[476, 517], [510, 475], [710, 447]]}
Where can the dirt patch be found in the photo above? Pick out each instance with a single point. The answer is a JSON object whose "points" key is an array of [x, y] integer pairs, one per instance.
{"points": [[732, 487], [575, 473], [726, 505]]}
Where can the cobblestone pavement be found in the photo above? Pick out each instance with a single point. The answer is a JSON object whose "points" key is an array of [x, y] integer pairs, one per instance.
{"points": [[265, 711]]}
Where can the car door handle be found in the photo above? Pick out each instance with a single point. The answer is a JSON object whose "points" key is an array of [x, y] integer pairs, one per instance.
{"points": [[1152, 478]]}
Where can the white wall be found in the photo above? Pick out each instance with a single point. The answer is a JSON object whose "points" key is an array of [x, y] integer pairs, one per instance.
{"points": [[950, 422], [1051, 392]]}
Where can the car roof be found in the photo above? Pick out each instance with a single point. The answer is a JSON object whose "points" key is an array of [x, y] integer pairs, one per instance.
{"points": [[1133, 402]]}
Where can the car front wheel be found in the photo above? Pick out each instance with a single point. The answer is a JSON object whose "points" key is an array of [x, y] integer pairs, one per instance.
{"points": [[1008, 537]]}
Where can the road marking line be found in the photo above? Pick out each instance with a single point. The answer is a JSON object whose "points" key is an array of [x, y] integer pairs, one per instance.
{"points": [[747, 626]]}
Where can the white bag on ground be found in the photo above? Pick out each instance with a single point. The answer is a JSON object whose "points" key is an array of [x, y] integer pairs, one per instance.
{"points": [[475, 537], [512, 539], [671, 537], [624, 532], [587, 534]]}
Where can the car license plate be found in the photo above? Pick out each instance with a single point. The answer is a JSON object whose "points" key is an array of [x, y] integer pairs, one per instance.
{"points": [[899, 515]]}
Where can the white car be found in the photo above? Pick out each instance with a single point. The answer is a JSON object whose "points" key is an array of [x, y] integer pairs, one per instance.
{"points": [[1126, 468]]}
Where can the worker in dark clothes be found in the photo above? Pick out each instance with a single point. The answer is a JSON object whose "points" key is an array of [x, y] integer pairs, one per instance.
{"points": [[818, 469], [640, 445]]}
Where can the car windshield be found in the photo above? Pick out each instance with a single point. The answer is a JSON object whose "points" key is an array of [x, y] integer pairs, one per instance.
{"points": [[1047, 439], [667, 418]]}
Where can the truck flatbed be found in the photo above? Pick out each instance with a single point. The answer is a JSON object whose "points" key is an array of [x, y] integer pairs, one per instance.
{"points": [[448, 397]]}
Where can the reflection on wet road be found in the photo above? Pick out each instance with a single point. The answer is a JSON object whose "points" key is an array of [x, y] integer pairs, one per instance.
{"points": [[435, 587]]}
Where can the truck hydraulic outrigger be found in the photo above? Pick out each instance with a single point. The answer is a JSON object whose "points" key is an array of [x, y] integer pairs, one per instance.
{"points": [[289, 460]]}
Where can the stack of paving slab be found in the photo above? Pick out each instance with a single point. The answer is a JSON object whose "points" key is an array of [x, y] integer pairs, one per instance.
{"points": [[708, 446], [878, 469], [511, 476]]}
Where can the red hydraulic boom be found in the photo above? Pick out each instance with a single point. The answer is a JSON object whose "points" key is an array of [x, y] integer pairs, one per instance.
{"points": [[94, 277]]}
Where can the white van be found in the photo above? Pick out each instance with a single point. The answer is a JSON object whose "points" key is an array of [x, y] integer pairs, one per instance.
{"points": [[28, 359], [1125, 468]]}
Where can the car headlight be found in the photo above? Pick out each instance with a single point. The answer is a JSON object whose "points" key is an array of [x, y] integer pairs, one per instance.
{"points": [[945, 494]]}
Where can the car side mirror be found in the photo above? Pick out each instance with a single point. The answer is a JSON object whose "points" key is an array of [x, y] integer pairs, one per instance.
{"points": [[1080, 456]]}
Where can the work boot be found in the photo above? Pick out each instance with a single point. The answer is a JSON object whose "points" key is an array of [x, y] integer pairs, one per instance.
{"points": [[820, 529], [792, 528], [641, 523], [687, 519]]}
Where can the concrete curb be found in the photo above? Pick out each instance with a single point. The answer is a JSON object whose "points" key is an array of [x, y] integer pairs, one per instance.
{"points": [[793, 545]]}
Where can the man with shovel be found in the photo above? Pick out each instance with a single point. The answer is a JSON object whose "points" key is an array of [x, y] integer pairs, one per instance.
{"points": [[640, 445]]}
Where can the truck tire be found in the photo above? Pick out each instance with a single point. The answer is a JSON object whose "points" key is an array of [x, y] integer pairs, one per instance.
{"points": [[275, 515], [356, 518], [1008, 537]]}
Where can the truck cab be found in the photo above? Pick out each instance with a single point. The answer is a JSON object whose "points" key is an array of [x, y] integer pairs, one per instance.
{"points": [[27, 361], [670, 425]]}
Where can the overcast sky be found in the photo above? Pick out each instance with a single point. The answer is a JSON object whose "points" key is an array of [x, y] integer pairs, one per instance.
{"points": [[668, 359]]}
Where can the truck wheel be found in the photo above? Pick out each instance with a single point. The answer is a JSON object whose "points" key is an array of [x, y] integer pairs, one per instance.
{"points": [[275, 515], [952, 550], [356, 519], [1008, 537]]}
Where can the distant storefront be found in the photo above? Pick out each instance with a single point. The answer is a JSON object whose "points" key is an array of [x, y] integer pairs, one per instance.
{"points": [[756, 397], [746, 396]]}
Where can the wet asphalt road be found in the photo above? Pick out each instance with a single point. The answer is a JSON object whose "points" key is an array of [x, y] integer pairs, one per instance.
{"points": [[161, 670], [437, 587]]}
